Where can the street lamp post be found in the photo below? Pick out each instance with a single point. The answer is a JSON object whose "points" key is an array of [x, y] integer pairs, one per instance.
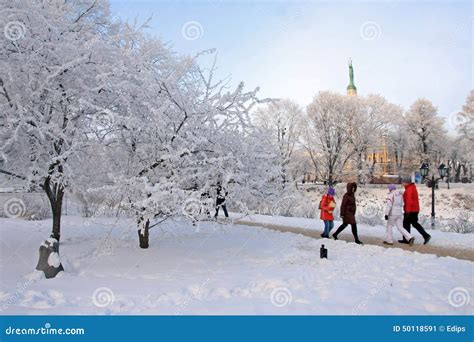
{"points": [[424, 170], [447, 173]]}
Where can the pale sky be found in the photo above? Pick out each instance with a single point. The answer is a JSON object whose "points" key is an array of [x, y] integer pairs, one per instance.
{"points": [[400, 49]]}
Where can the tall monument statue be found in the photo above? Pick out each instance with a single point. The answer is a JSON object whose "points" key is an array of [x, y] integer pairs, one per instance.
{"points": [[351, 88]]}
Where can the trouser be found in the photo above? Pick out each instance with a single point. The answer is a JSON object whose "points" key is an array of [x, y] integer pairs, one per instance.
{"points": [[411, 219], [396, 221], [328, 225], [354, 230], [223, 206]]}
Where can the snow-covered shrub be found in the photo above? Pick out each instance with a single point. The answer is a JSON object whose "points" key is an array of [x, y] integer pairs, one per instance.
{"points": [[94, 204], [462, 224], [293, 204], [370, 208], [425, 220], [37, 208], [88, 206]]}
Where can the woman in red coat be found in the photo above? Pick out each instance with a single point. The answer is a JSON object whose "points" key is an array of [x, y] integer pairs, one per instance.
{"points": [[348, 210], [327, 206], [411, 210]]}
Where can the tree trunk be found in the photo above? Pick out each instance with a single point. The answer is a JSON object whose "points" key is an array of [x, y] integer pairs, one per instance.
{"points": [[55, 193], [330, 179], [360, 167], [424, 146], [57, 211], [47, 250], [143, 233], [457, 174], [283, 176]]}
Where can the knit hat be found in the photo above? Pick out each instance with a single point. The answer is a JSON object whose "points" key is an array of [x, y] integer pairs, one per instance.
{"points": [[406, 179], [392, 187], [331, 191]]}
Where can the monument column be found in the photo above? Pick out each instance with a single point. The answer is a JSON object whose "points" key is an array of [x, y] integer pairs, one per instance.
{"points": [[351, 88]]}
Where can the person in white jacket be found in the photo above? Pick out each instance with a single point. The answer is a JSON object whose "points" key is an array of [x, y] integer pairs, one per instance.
{"points": [[394, 215]]}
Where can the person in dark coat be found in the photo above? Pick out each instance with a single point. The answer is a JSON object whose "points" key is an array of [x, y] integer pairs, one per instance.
{"points": [[220, 200], [348, 210], [411, 210]]}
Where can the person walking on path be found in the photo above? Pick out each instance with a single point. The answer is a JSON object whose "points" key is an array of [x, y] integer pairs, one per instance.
{"points": [[412, 209], [394, 215], [327, 206], [348, 210], [220, 200]]}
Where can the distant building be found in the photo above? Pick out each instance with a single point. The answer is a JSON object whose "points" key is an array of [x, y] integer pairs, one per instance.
{"points": [[380, 156], [377, 156], [379, 159]]}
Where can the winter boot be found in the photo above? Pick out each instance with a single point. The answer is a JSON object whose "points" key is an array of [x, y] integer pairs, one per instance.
{"points": [[356, 235]]}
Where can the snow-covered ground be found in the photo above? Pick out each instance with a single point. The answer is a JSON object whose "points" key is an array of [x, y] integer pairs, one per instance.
{"points": [[222, 269]]}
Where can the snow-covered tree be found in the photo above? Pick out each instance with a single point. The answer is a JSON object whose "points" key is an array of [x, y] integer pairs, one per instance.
{"points": [[459, 157], [283, 119], [465, 118], [52, 70], [325, 134], [367, 124], [343, 129], [398, 144], [94, 105], [426, 129], [180, 135]]}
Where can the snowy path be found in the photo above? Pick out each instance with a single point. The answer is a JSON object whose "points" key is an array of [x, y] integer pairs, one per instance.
{"points": [[295, 225]]}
